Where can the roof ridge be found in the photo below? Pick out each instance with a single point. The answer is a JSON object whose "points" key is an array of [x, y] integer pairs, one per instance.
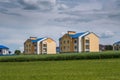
{"points": [[2, 46], [117, 42], [38, 39], [78, 34]]}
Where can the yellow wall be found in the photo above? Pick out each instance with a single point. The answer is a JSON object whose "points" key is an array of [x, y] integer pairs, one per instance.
{"points": [[66, 43], [28, 47], [51, 46], [94, 42], [74, 44]]}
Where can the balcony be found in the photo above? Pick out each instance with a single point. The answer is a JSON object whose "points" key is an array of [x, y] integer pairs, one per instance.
{"points": [[87, 43], [87, 50]]}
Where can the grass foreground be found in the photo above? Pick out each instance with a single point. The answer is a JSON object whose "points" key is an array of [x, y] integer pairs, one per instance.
{"points": [[100, 69]]}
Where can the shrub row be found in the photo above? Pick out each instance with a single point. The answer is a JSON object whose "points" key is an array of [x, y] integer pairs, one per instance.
{"points": [[71, 56]]}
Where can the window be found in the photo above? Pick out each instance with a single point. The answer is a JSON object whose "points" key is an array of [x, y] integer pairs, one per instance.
{"points": [[75, 41], [35, 44], [0, 51], [64, 42], [87, 41], [87, 47], [35, 50], [75, 47], [45, 49], [44, 45], [68, 41]]}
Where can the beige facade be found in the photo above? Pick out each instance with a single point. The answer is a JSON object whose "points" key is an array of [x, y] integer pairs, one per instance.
{"points": [[40, 46], [66, 43], [49, 46], [79, 42], [91, 43], [28, 47]]}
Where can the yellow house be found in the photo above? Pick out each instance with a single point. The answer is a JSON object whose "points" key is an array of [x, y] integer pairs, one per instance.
{"points": [[79, 42], [35, 45]]}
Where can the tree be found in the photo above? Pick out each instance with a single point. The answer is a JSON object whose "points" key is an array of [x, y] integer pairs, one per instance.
{"points": [[108, 47], [17, 52]]}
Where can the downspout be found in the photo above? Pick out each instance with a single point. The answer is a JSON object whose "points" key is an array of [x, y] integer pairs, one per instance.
{"points": [[38, 51], [79, 41]]}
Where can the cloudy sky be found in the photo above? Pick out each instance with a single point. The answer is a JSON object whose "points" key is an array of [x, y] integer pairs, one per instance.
{"points": [[20, 19]]}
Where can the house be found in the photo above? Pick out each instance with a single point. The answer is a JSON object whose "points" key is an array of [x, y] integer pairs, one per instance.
{"points": [[4, 50], [35, 45], [79, 42], [116, 46]]}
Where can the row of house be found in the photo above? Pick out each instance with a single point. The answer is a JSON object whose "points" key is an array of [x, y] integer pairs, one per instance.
{"points": [[69, 42]]}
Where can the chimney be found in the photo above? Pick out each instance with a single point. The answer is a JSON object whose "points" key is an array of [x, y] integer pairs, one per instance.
{"points": [[33, 38], [71, 32]]}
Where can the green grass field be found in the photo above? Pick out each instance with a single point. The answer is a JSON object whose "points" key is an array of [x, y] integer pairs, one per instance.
{"points": [[100, 69]]}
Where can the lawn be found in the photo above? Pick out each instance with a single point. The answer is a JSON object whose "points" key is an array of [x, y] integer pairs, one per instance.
{"points": [[100, 69]]}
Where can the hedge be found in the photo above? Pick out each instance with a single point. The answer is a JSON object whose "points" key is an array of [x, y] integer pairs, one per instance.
{"points": [[56, 57]]}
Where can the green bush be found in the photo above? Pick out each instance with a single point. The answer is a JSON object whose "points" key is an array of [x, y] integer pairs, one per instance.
{"points": [[71, 56], [17, 52]]}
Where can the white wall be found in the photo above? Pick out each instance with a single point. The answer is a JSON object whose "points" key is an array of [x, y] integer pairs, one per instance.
{"points": [[5, 51]]}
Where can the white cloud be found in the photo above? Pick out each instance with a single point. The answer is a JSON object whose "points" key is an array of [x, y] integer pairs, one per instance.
{"points": [[4, 0], [20, 19], [41, 5], [88, 7], [62, 7], [107, 34]]}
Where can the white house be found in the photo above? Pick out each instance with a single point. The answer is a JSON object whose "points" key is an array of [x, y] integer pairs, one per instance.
{"points": [[4, 50], [116, 46]]}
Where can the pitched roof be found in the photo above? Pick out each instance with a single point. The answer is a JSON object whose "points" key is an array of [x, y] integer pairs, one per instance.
{"points": [[78, 34], [117, 42], [3, 47], [37, 40]]}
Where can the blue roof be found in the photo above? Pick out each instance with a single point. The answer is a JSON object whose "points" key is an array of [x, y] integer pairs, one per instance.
{"points": [[37, 40], [77, 35], [117, 42], [3, 47]]}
